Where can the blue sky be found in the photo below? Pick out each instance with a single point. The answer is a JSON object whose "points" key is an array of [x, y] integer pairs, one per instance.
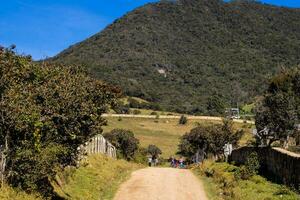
{"points": [[45, 27]]}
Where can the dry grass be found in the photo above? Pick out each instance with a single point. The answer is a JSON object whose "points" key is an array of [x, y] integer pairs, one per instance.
{"points": [[8, 193], [165, 133]]}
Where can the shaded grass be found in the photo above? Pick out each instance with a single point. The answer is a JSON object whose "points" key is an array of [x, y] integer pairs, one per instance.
{"points": [[99, 179], [8, 193], [165, 133], [257, 187]]}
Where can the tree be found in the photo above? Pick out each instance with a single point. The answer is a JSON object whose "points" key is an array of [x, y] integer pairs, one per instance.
{"points": [[278, 113], [153, 150], [124, 141], [210, 139], [45, 115]]}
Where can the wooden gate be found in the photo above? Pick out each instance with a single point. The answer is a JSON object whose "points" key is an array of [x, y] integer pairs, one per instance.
{"points": [[99, 144]]}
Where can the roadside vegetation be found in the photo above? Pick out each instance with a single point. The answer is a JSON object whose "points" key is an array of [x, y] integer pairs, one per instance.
{"points": [[99, 177], [45, 116], [223, 181], [9, 193]]}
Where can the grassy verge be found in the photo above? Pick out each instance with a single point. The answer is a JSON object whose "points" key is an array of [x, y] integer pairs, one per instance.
{"points": [[99, 179], [7, 193], [219, 180]]}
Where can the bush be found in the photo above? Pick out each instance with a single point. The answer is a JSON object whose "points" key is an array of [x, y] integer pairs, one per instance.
{"points": [[136, 112], [209, 138], [140, 156], [183, 120], [153, 150], [249, 169], [153, 113], [124, 141]]}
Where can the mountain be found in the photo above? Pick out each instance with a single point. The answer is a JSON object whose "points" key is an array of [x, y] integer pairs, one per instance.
{"points": [[189, 55]]}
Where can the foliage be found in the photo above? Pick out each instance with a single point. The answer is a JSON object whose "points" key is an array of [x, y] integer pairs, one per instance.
{"points": [[121, 108], [153, 150], [205, 47], [136, 112], [124, 141], [279, 110], [140, 156], [99, 179], [249, 169], [45, 116], [210, 139], [230, 188], [183, 120]]}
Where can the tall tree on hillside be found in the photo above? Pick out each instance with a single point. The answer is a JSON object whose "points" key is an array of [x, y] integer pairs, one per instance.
{"points": [[279, 111]]}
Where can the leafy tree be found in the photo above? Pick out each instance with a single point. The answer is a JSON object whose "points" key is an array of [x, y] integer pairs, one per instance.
{"points": [[45, 114], [124, 141], [210, 139], [279, 112], [153, 150]]}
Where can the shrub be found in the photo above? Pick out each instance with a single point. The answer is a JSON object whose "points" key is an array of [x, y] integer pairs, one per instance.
{"points": [[209, 138], [153, 150], [183, 120], [136, 112], [153, 113], [249, 169], [124, 141]]}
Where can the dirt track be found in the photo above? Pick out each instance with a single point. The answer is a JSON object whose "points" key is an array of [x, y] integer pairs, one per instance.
{"points": [[174, 117], [162, 184]]}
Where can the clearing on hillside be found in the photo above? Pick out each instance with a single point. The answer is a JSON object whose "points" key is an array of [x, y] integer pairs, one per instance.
{"points": [[165, 133]]}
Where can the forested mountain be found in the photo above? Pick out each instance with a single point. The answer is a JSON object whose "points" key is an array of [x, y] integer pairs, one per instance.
{"points": [[193, 55]]}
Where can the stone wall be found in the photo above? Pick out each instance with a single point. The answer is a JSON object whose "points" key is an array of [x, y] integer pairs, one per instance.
{"points": [[276, 164]]}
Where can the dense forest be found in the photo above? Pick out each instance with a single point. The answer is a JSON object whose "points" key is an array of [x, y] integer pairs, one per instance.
{"points": [[193, 55]]}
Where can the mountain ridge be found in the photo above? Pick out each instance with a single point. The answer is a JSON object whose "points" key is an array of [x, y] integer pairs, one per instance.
{"points": [[188, 54]]}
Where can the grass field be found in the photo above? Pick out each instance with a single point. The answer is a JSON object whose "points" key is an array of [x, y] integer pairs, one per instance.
{"points": [[165, 133]]}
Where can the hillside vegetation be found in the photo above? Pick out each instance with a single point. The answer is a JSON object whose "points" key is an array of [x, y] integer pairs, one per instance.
{"points": [[193, 55]]}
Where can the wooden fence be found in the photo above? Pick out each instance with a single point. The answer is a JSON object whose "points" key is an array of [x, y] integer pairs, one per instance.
{"points": [[98, 145], [2, 166]]}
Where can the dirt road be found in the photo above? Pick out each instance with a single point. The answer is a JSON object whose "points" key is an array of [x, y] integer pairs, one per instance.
{"points": [[162, 184], [174, 117]]}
